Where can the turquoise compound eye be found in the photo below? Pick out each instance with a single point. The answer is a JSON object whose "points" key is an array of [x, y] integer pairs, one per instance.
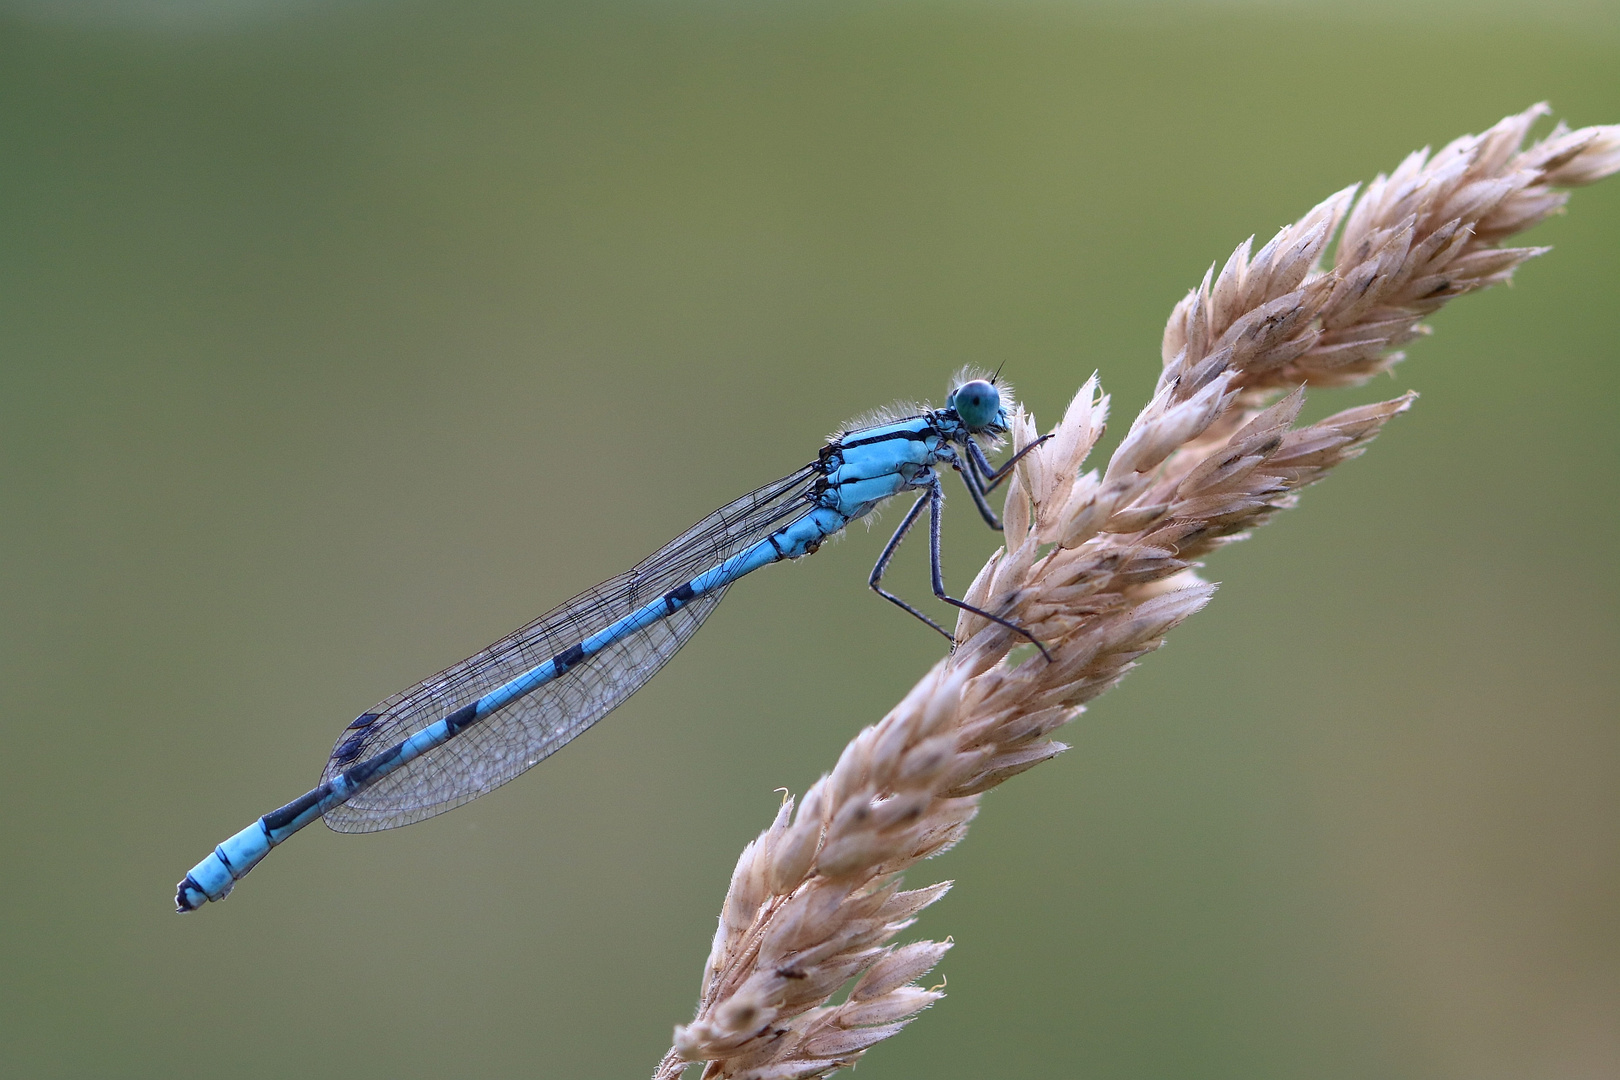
{"points": [[977, 403]]}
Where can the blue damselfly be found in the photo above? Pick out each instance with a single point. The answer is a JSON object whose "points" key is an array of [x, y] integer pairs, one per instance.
{"points": [[474, 726]]}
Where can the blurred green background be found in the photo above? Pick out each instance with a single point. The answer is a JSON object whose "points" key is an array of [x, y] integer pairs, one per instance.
{"points": [[338, 340]]}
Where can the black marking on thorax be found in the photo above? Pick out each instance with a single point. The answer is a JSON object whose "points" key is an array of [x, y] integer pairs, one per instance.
{"points": [[907, 434]]}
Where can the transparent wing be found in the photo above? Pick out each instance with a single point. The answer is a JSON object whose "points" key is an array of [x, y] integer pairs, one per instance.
{"points": [[506, 744]]}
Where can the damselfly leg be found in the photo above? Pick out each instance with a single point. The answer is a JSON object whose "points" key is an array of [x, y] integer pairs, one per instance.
{"points": [[934, 498]]}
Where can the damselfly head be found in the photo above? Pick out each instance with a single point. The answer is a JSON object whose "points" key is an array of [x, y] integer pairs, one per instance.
{"points": [[978, 405]]}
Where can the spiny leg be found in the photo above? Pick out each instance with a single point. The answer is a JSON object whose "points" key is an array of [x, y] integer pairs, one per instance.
{"points": [[888, 553], [991, 477], [980, 478], [975, 486], [936, 502], [978, 464]]}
